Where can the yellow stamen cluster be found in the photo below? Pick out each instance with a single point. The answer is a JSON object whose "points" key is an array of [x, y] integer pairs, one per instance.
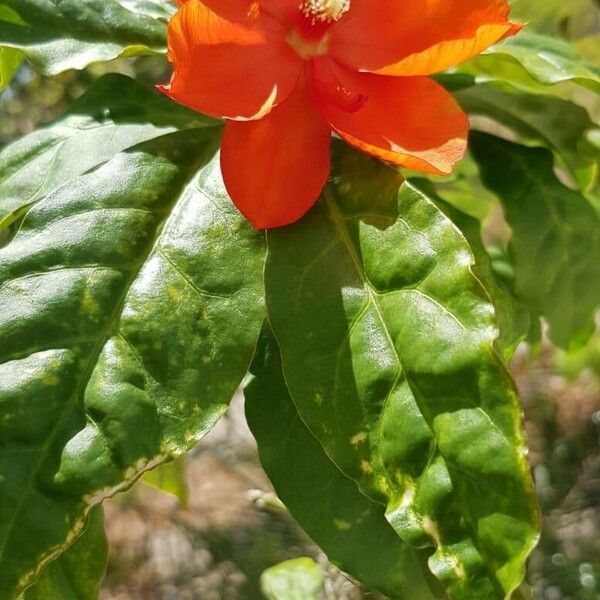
{"points": [[324, 10]]}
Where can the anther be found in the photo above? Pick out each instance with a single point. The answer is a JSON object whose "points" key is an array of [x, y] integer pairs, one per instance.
{"points": [[324, 11]]}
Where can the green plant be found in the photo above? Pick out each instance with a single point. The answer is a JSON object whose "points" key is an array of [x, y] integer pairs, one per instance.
{"points": [[135, 299]]}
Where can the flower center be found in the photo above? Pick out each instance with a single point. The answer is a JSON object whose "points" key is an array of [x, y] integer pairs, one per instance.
{"points": [[308, 46], [324, 11], [310, 37]]}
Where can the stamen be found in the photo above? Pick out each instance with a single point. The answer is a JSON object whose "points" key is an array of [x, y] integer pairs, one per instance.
{"points": [[324, 11]]}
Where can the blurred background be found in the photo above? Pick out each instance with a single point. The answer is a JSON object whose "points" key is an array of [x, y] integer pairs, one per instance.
{"points": [[218, 527]]}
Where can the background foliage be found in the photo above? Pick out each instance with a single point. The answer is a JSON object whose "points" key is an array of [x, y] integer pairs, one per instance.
{"points": [[183, 555]]}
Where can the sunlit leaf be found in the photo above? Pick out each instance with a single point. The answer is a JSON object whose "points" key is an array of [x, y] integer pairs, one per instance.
{"points": [[71, 34], [511, 315], [130, 304], [387, 347], [534, 62]]}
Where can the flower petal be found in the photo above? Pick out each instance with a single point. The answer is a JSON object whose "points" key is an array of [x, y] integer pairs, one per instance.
{"points": [[274, 169], [230, 60], [286, 12], [417, 37], [411, 122]]}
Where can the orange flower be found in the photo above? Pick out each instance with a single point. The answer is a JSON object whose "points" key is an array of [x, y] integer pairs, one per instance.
{"points": [[284, 73]]}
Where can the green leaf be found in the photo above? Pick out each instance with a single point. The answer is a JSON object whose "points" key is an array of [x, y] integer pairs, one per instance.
{"points": [[78, 573], [130, 304], [349, 528], [10, 59], [511, 315], [170, 478], [296, 579], [71, 34], [538, 120], [555, 241], [533, 62], [114, 114], [387, 348]]}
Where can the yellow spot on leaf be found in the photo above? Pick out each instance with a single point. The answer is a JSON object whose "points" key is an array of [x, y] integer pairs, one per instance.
{"points": [[174, 293], [89, 304], [50, 379], [342, 525], [366, 467], [358, 438]]}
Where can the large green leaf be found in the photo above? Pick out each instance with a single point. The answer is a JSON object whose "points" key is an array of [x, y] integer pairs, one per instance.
{"points": [[10, 59], [114, 114], [350, 528], [78, 573], [539, 120], [555, 241], [296, 579], [71, 34], [130, 303], [387, 348], [533, 62]]}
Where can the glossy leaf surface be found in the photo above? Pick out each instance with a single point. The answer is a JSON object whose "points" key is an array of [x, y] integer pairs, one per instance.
{"points": [[386, 340], [555, 242], [511, 316], [71, 34], [121, 296], [115, 113], [78, 573], [534, 62], [349, 527]]}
